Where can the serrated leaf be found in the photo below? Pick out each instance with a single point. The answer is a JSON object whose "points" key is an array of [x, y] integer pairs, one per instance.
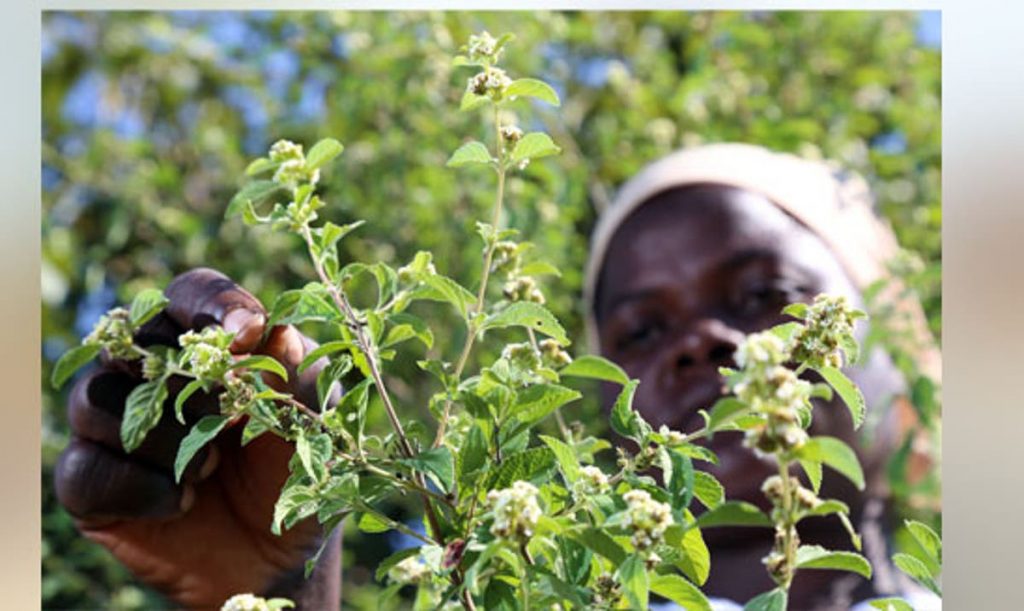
{"points": [[473, 453], [632, 574], [890, 604], [539, 268], [251, 194], [314, 450], [472, 101], [372, 523], [772, 600], [708, 490], [812, 469], [438, 462], [71, 361], [724, 412], [145, 306], [927, 539], [530, 465], [321, 351], [470, 153], [680, 479], [694, 558], [201, 434], [443, 288], [408, 326], [538, 401], [624, 419], [532, 88], [595, 367], [733, 513], [183, 396], [534, 145], [294, 503], [680, 591], [142, 411], [599, 541], [263, 363], [567, 461], [917, 570], [835, 454], [817, 557], [322, 152], [531, 315], [848, 391]]}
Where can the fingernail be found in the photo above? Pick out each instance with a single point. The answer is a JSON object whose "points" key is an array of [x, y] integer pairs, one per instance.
{"points": [[247, 327], [211, 462], [188, 498]]}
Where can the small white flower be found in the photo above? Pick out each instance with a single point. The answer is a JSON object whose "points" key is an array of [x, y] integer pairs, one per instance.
{"points": [[516, 511], [410, 570], [649, 519], [245, 602]]}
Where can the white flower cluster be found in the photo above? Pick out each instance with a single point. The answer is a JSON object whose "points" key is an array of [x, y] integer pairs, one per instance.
{"points": [[592, 481], [409, 570], [291, 161], [761, 350], [647, 518], [113, 331], [491, 82], [206, 353], [511, 134], [672, 438], [828, 330], [482, 48], [553, 355], [515, 510], [523, 288], [245, 602]]}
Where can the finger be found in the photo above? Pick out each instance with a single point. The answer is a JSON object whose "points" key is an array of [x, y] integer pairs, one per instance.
{"points": [[289, 347], [203, 297], [93, 483], [96, 406]]}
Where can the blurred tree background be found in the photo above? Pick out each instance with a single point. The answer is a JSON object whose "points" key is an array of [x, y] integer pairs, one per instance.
{"points": [[150, 118]]}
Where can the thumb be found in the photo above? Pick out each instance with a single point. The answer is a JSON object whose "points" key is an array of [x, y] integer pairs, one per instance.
{"points": [[202, 297]]}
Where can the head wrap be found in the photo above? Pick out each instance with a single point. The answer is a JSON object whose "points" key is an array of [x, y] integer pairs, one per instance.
{"points": [[835, 205]]}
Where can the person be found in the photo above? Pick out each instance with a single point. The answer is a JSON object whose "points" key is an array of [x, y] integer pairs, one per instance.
{"points": [[698, 249], [707, 245]]}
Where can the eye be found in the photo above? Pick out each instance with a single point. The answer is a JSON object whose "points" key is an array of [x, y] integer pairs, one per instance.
{"points": [[639, 335], [768, 299]]}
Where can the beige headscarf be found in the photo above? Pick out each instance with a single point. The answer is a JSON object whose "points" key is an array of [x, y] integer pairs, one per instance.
{"points": [[836, 205]]}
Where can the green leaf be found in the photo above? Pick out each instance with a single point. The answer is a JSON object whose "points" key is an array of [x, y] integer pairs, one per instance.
{"points": [[314, 450], [772, 600], [71, 361], [352, 407], [531, 465], [927, 539], [321, 351], [179, 401], [294, 503], [680, 479], [252, 193], [332, 374], [812, 469], [576, 559], [817, 557], [530, 315], [142, 411], [322, 152], [538, 401], [263, 363], [473, 453], [443, 288], [259, 166], [532, 88], [632, 574], [624, 419], [372, 523], [708, 490], [891, 604], [330, 233], [437, 462], [733, 513], [469, 153], [597, 368], [202, 433], [388, 563], [145, 306], [680, 591], [534, 145], [796, 310], [539, 268], [695, 558], [599, 541], [836, 454], [724, 412], [472, 101], [829, 507], [849, 392], [408, 326], [565, 456], [917, 570]]}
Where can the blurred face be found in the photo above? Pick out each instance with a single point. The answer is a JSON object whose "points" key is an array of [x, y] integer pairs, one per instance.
{"points": [[686, 276]]}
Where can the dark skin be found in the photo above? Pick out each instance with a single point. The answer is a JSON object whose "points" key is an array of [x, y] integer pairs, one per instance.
{"points": [[209, 538], [685, 277]]}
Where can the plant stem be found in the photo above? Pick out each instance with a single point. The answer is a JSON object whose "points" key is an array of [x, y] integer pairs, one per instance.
{"points": [[787, 523]]}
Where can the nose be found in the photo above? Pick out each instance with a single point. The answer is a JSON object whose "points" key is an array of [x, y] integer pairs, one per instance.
{"points": [[709, 343]]}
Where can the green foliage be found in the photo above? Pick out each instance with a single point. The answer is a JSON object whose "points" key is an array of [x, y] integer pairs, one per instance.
{"points": [[130, 211]]}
